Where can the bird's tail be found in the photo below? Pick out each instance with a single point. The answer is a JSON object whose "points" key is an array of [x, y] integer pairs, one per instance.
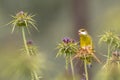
{"points": [[96, 58]]}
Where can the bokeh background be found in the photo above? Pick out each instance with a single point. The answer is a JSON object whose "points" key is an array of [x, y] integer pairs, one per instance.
{"points": [[56, 19]]}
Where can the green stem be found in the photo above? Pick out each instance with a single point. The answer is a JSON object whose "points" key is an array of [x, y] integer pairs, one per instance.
{"points": [[32, 76], [85, 67], [108, 55], [36, 76], [66, 61], [72, 67], [25, 42]]}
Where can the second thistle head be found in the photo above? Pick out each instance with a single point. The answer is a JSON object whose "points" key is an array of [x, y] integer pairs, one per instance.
{"points": [[67, 47], [30, 42]]}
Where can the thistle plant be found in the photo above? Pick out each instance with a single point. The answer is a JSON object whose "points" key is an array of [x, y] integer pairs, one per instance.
{"points": [[68, 48], [23, 21], [112, 40], [29, 61], [111, 68], [34, 53], [113, 62]]}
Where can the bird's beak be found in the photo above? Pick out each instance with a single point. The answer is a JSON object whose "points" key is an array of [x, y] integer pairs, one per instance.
{"points": [[79, 32]]}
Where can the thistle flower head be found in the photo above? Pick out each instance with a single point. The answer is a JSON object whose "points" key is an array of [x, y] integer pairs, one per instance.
{"points": [[86, 54], [67, 47], [30, 42], [111, 39], [113, 64], [23, 19], [31, 48]]}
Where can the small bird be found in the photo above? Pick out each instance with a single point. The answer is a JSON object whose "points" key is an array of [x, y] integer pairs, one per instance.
{"points": [[85, 39], [86, 43]]}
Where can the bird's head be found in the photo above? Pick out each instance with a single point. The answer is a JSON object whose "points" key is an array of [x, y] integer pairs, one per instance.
{"points": [[82, 32]]}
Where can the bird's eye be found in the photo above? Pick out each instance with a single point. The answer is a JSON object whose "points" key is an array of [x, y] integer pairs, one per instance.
{"points": [[82, 30]]}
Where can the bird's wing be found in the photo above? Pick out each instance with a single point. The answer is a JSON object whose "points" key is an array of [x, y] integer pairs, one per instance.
{"points": [[90, 41]]}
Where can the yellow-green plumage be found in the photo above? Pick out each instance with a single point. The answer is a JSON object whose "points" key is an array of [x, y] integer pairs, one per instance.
{"points": [[85, 40]]}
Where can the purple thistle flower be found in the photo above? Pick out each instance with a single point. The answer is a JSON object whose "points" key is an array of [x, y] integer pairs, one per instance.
{"points": [[20, 13], [73, 41], [30, 42], [66, 40]]}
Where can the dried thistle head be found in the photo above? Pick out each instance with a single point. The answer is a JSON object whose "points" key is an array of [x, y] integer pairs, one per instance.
{"points": [[30, 42], [111, 68], [87, 54], [116, 55], [67, 47], [33, 51], [110, 38], [113, 63], [23, 19]]}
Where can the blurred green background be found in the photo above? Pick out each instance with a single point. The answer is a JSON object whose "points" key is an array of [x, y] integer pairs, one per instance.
{"points": [[55, 20]]}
